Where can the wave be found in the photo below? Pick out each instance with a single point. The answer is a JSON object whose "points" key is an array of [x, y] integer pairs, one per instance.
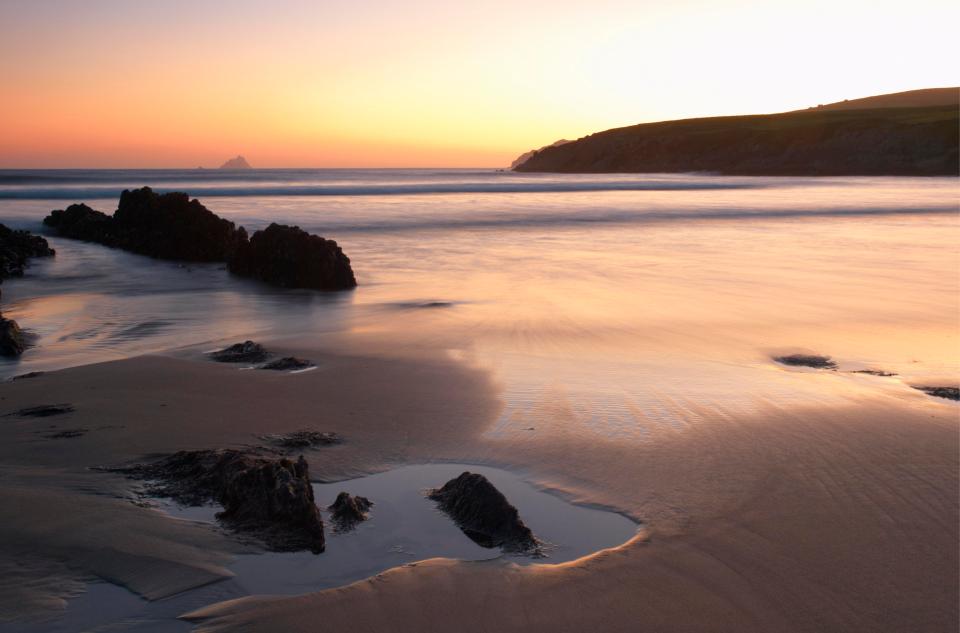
{"points": [[113, 191]]}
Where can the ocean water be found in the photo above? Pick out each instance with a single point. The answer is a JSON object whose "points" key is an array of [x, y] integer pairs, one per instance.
{"points": [[619, 303]]}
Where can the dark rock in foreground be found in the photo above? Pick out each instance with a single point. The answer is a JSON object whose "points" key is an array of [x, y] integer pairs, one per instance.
{"points": [[164, 226], [483, 513], [807, 360], [43, 411], [271, 499], [12, 342], [349, 510], [16, 247], [950, 393], [304, 438], [289, 257], [246, 352], [287, 363]]}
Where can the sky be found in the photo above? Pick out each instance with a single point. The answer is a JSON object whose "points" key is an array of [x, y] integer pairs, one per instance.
{"points": [[435, 83]]}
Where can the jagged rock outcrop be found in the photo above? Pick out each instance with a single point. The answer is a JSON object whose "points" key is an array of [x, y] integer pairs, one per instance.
{"points": [[950, 393], [246, 352], [483, 513], [269, 498], [164, 226], [290, 257], [12, 342], [16, 247], [349, 510]]}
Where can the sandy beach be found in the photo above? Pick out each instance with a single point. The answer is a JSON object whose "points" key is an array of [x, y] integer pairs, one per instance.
{"points": [[627, 364]]}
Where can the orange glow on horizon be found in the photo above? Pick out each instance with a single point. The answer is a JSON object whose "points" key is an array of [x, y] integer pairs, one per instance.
{"points": [[107, 83]]}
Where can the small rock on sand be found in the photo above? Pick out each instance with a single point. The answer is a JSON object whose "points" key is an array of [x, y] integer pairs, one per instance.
{"points": [[287, 363], [43, 411], [246, 352], [807, 360], [950, 393]]}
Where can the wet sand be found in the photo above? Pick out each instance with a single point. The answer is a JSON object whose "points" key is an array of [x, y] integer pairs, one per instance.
{"points": [[812, 518]]}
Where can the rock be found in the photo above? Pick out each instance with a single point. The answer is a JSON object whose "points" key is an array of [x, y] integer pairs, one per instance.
{"points": [[66, 434], [271, 499], [874, 372], [349, 510], [807, 360], [246, 352], [43, 411], [483, 513], [950, 393], [304, 438], [80, 222], [16, 247], [287, 363], [29, 374], [292, 258], [236, 163], [12, 341], [167, 226]]}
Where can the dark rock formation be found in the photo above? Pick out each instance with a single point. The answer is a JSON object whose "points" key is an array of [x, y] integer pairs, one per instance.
{"points": [[290, 257], [950, 393], [271, 499], [483, 513], [12, 341], [16, 247], [167, 226], [874, 372], [304, 438], [349, 510], [246, 352], [43, 411], [80, 222], [287, 363], [807, 360]]}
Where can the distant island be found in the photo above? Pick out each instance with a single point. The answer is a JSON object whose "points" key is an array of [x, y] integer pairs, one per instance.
{"points": [[912, 133], [236, 163]]}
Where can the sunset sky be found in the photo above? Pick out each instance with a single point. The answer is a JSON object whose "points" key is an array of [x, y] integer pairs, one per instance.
{"points": [[391, 83]]}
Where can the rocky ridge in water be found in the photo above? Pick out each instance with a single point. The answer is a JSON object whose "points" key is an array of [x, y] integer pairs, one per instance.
{"points": [[173, 226]]}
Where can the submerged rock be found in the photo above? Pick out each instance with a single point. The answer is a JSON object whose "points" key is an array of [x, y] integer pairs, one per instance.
{"points": [[287, 363], [807, 360], [246, 352], [290, 257], [43, 411], [12, 341], [950, 393], [271, 499], [164, 226], [483, 513], [304, 438], [349, 510], [16, 247]]}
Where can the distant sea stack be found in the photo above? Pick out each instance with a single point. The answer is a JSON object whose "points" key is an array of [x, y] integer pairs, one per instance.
{"points": [[236, 163], [911, 133]]}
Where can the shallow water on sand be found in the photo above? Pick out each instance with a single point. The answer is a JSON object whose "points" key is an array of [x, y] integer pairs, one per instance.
{"points": [[403, 527], [610, 305]]}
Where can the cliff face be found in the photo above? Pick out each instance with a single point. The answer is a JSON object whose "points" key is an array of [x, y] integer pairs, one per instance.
{"points": [[908, 141]]}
